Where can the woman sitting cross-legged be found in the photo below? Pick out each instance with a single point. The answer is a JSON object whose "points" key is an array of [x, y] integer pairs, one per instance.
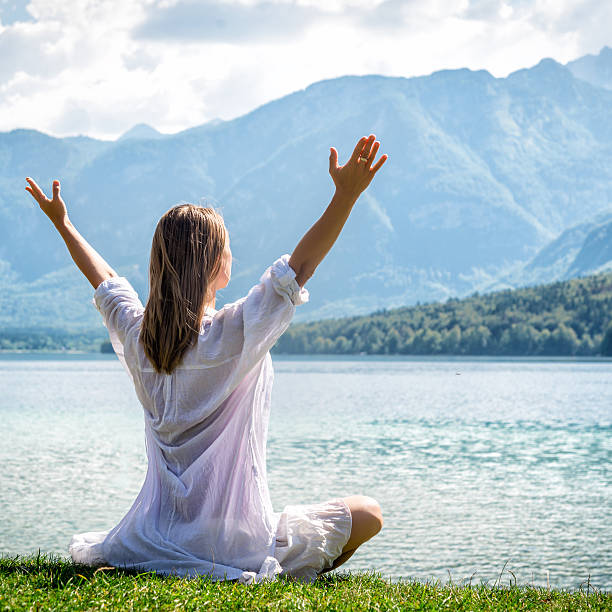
{"points": [[204, 378]]}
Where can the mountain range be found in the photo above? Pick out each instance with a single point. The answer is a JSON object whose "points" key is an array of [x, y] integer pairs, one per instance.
{"points": [[491, 183]]}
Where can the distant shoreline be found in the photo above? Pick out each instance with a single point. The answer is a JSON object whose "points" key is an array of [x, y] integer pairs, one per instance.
{"points": [[47, 352], [55, 356], [93, 356]]}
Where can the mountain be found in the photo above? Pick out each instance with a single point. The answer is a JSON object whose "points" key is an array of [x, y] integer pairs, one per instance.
{"points": [[583, 249], [141, 131], [595, 69], [483, 173], [596, 252]]}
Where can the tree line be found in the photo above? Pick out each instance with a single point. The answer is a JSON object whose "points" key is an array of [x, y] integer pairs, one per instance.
{"points": [[564, 318], [51, 339]]}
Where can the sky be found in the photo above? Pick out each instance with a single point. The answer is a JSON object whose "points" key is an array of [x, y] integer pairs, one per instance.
{"points": [[98, 67]]}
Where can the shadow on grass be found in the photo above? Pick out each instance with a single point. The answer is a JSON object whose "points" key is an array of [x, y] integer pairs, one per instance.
{"points": [[330, 579], [55, 571]]}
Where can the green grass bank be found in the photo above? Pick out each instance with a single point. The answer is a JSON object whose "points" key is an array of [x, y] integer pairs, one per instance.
{"points": [[51, 583]]}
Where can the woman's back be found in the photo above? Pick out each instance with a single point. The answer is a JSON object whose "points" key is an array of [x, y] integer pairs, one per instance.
{"points": [[206, 427]]}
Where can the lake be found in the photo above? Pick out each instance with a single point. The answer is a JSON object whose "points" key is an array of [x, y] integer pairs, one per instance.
{"points": [[486, 470]]}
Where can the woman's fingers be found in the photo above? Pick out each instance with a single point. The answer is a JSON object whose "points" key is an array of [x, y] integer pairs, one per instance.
{"points": [[358, 171], [373, 151], [379, 163], [55, 208], [333, 160], [36, 191], [358, 149], [367, 148]]}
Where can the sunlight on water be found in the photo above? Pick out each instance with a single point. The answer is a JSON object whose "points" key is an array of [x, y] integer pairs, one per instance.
{"points": [[477, 464]]}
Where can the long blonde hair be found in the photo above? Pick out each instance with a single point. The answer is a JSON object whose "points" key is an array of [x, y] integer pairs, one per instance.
{"points": [[185, 259]]}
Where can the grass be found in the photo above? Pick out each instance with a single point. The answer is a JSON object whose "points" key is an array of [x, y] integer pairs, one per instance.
{"points": [[52, 583]]}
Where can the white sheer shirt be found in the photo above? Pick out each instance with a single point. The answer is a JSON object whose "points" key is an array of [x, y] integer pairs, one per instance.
{"points": [[204, 508]]}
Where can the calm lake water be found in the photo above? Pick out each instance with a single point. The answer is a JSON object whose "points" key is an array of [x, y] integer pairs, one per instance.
{"points": [[478, 465]]}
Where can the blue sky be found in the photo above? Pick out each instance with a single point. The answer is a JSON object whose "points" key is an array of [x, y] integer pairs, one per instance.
{"points": [[99, 67]]}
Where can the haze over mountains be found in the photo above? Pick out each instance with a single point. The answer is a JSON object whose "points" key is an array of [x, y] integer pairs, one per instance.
{"points": [[490, 182]]}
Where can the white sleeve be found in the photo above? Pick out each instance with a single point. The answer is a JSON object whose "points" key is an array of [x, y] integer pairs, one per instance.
{"points": [[246, 330], [121, 309], [270, 306]]}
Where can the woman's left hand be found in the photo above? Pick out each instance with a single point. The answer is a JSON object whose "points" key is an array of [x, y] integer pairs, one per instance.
{"points": [[358, 172], [55, 209]]}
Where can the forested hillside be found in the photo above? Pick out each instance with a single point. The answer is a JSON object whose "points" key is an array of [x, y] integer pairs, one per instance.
{"points": [[52, 340], [564, 318]]}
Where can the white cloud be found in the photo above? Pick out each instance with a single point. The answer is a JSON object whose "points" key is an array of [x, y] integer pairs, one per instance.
{"points": [[83, 66], [211, 20]]}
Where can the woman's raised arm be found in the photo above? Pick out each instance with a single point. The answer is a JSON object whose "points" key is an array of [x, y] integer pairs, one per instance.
{"points": [[350, 181], [88, 260]]}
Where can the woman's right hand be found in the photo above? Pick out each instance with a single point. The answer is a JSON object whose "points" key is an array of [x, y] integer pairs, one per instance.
{"points": [[354, 177], [55, 208]]}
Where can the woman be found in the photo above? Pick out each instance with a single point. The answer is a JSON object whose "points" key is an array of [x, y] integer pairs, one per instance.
{"points": [[204, 377]]}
